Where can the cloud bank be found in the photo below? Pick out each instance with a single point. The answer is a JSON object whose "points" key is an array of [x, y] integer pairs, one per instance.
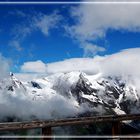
{"points": [[23, 107], [125, 62], [34, 67]]}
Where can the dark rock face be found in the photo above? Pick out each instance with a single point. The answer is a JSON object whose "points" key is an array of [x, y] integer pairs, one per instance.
{"points": [[10, 88], [36, 85], [113, 94], [82, 87]]}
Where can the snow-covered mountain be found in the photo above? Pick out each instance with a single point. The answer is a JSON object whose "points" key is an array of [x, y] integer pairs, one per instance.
{"points": [[68, 94]]}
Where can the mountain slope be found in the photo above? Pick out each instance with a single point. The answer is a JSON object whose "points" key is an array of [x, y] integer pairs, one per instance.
{"points": [[68, 94]]}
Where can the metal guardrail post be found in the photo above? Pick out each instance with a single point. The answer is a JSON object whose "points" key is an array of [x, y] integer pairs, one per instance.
{"points": [[116, 128], [47, 131]]}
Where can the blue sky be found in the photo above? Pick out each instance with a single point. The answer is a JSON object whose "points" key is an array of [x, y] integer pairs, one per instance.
{"points": [[52, 33]]}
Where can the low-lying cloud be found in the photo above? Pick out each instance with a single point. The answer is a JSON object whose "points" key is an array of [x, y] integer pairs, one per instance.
{"points": [[34, 67], [23, 107], [125, 62]]}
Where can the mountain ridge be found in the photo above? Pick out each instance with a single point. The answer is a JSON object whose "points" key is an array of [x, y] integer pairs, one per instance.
{"points": [[85, 93]]}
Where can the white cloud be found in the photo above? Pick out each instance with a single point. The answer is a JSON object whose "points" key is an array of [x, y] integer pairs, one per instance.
{"points": [[91, 49], [46, 22], [28, 76], [92, 21], [74, 64], [31, 23], [5, 67], [126, 62], [39, 21], [16, 45], [34, 67], [24, 107], [19, 34]]}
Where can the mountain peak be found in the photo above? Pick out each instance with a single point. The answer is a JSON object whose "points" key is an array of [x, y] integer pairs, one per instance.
{"points": [[11, 74]]}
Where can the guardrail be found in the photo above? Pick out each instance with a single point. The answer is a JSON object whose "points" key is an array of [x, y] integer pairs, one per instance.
{"points": [[47, 125]]}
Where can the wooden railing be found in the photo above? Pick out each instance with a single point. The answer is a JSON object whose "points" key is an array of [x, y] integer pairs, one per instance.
{"points": [[47, 125]]}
